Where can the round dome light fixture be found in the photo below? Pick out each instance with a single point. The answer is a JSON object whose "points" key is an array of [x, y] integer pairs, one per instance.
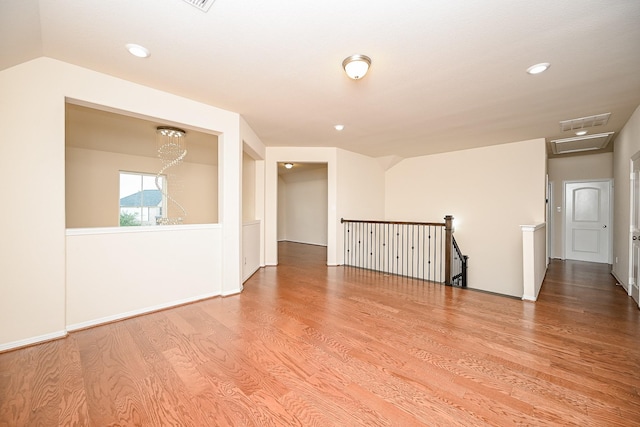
{"points": [[538, 68], [356, 66], [288, 165]]}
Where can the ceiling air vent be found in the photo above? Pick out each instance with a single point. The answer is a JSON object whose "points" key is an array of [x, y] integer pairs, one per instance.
{"points": [[580, 143], [585, 122], [203, 5]]}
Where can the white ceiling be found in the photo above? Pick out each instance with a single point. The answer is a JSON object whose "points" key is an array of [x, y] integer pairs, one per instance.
{"points": [[446, 74]]}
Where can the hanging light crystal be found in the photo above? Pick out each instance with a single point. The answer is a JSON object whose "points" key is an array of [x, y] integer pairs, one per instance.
{"points": [[172, 149]]}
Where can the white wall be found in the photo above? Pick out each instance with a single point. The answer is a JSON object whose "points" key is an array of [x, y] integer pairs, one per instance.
{"points": [[361, 191], [250, 248], [573, 168], [627, 143], [32, 106], [256, 151], [112, 274], [248, 188], [304, 209], [490, 192], [32, 255]]}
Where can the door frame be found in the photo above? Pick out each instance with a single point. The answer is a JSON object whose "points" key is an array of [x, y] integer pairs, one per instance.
{"points": [[565, 219], [632, 204]]}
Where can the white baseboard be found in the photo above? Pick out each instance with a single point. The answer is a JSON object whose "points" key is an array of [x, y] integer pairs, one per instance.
{"points": [[620, 282], [233, 292], [133, 313], [529, 298], [248, 275], [33, 340]]}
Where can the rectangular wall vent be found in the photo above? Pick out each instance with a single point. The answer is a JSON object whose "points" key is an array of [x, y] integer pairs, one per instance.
{"points": [[585, 122], [580, 143], [203, 5]]}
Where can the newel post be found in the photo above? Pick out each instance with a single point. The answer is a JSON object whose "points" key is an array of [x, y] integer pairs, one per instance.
{"points": [[448, 245]]}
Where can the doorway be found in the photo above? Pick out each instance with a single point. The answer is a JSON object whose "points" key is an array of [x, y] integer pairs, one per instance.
{"points": [[587, 220], [303, 203]]}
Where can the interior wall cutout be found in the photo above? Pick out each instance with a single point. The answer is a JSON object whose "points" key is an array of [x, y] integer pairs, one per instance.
{"points": [[99, 145]]}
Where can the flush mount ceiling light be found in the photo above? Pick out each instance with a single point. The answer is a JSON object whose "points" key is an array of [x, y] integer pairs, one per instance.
{"points": [[288, 165], [339, 127], [581, 132], [538, 68], [356, 66], [137, 50]]}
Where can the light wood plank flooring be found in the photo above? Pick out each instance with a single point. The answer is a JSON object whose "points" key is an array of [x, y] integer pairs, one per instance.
{"points": [[310, 345]]}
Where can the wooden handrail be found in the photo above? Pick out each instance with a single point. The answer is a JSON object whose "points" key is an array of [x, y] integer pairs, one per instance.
{"points": [[441, 224]]}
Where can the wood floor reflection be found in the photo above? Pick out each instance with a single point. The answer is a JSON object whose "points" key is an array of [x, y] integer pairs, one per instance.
{"points": [[310, 345]]}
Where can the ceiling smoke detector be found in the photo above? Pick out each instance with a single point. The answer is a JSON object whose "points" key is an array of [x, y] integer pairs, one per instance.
{"points": [[203, 5]]}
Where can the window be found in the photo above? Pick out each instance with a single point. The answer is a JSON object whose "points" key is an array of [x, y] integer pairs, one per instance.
{"points": [[141, 203]]}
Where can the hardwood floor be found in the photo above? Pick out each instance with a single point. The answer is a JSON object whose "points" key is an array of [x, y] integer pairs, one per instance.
{"points": [[310, 345]]}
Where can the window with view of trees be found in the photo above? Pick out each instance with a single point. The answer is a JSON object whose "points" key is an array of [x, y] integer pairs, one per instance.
{"points": [[141, 203]]}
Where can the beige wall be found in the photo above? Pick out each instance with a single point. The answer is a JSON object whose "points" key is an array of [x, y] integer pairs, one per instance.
{"points": [[490, 191], [627, 144], [92, 187], [573, 168]]}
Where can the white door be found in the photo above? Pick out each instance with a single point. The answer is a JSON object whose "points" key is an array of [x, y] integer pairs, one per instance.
{"points": [[587, 228], [634, 279]]}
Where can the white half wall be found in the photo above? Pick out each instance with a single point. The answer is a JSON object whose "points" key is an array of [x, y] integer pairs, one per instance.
{"points": [[534, 259], [490, 192], [114, 273]]}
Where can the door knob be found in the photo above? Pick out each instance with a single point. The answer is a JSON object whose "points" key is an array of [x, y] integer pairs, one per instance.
{"points": [[604, 226]]}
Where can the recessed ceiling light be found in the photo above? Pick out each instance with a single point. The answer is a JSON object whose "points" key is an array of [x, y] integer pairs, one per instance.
{"points": [[339, 127], [137, 50], [581, 132], [538, 68], [288, 165]]}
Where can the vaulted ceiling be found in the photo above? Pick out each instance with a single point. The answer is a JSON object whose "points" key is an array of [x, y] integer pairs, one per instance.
{"points": [[446, 74]]}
